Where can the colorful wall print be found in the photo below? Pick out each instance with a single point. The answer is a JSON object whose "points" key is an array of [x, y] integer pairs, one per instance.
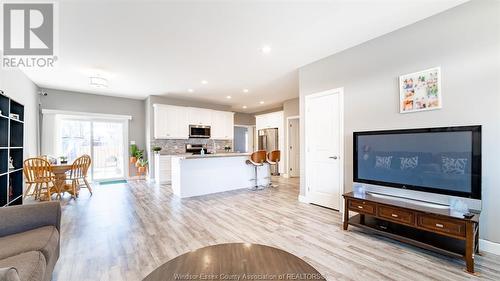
{"points": [[420, 91]]}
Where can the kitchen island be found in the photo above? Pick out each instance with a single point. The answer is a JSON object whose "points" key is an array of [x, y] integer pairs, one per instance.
{"points": [[195, 175]]}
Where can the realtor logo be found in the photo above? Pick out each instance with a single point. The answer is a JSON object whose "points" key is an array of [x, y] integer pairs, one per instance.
{"points": [[28, 35], [28, 29]]}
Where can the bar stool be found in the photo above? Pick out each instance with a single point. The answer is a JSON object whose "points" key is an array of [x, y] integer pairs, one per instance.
{"points": [[257, 159], [273, 158]]}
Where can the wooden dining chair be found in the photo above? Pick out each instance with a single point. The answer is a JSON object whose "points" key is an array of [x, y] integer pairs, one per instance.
{"points": [[39, 178], [78, 171]]}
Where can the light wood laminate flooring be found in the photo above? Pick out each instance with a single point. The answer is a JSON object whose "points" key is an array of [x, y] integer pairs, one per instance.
{"points": [[125, 231]]}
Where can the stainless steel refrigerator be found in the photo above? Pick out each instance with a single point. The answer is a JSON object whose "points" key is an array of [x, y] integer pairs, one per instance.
{"points": [[268, 141]]}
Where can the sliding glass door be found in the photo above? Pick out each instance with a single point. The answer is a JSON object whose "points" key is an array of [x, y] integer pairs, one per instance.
{"points": [[103, 140], [108, 150], [74, 139]]}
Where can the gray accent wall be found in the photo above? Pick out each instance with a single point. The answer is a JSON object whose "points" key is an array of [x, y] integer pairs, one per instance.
{"points": [[465, 43], [290, 108], [279, 108], [83, 102], [244, 119]]}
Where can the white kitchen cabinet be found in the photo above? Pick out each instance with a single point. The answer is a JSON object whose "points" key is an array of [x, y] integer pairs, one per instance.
{"points": [[199, 116], [229, 125], [163, 168], [269, 120], [222, 125], [170, 122]]}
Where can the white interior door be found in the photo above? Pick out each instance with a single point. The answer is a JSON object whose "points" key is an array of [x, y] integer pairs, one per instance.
{"points": [[293, 147], [324, 147]]}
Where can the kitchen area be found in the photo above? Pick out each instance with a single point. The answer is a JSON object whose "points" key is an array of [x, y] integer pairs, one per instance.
{"points": [[197, 155]]}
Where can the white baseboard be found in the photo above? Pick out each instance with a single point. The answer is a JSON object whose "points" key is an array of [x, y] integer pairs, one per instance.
{"points": [[303, 199], [488, 246], [285, 175]]}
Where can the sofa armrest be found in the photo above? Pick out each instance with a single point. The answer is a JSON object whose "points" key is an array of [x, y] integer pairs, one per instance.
{"points": [[8, 274], [16, 219]]}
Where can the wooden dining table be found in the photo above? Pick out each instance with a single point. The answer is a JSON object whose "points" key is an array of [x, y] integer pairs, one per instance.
{"points": [[59, 171]]}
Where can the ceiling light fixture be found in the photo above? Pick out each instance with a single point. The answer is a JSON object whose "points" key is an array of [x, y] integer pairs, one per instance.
{"points": [[266, 49], [204, 82], [245, 91], [228, 97], [98, 82], [244, 107], [261, 102], [190, 90]]}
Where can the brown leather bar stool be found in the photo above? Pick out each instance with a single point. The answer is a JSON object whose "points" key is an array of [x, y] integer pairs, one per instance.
{"points": [[257, 159], [273, 158]]}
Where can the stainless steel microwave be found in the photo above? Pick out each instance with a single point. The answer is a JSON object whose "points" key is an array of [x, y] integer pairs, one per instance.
{"points": [[199, 131]]}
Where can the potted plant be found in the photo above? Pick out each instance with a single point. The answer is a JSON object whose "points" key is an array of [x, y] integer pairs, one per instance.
{"points": [[156, 149], [63, 160], [142, 166], [139, 154], [133, 152]]}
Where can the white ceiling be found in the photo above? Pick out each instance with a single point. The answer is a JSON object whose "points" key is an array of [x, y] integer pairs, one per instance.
{"points": [[166, 47]]}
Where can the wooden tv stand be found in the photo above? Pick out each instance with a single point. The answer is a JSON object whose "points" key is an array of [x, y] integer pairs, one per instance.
{"points": [[429, 228]]}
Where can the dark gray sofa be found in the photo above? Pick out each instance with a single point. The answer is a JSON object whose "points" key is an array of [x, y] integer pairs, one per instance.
{"points": [[29, 241]]}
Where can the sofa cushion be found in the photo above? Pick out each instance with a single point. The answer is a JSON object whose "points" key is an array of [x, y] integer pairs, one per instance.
{"points": [[9, 274], [30, 266], [44, 239]]}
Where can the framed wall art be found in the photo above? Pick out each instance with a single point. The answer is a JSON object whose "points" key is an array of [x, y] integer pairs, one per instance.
{"points": [[420, 91]]}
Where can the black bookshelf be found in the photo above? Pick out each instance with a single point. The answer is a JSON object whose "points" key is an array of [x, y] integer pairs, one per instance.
{"points": [[11, 147]]}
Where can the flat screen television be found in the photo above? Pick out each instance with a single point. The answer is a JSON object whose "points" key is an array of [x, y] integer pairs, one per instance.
{"points": [[438, 160]]}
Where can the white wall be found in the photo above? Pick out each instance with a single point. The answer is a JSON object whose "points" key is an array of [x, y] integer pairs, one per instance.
{"points": [[465, 42], [18, 87]]}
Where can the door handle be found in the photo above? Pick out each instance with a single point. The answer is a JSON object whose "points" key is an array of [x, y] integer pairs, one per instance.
{"points": [[333, 157]]}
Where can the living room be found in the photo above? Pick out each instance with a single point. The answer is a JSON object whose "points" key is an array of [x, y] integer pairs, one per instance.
{"points": [[261, 140]]}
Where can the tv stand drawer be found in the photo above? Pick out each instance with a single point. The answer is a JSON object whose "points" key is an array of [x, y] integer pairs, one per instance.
{"points": [[396, 215], [362, 207], [445, 226]]}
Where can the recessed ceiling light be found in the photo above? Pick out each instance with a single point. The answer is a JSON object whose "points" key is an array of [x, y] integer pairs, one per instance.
{"points": [[190, 90], [204, 82], [245, 90], [244, 107], [266, 49], [261, 102], [98, 82], [228, 97]]}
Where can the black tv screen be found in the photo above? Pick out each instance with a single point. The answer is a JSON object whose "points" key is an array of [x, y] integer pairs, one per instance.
{"points": [[439, 160]]}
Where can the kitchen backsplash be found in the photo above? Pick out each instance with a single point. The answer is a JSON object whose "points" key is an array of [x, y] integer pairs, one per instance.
{"points": [[179, 146]]}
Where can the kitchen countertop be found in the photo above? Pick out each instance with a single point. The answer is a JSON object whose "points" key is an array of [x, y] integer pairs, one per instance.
{"points": [[217, 155]]}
